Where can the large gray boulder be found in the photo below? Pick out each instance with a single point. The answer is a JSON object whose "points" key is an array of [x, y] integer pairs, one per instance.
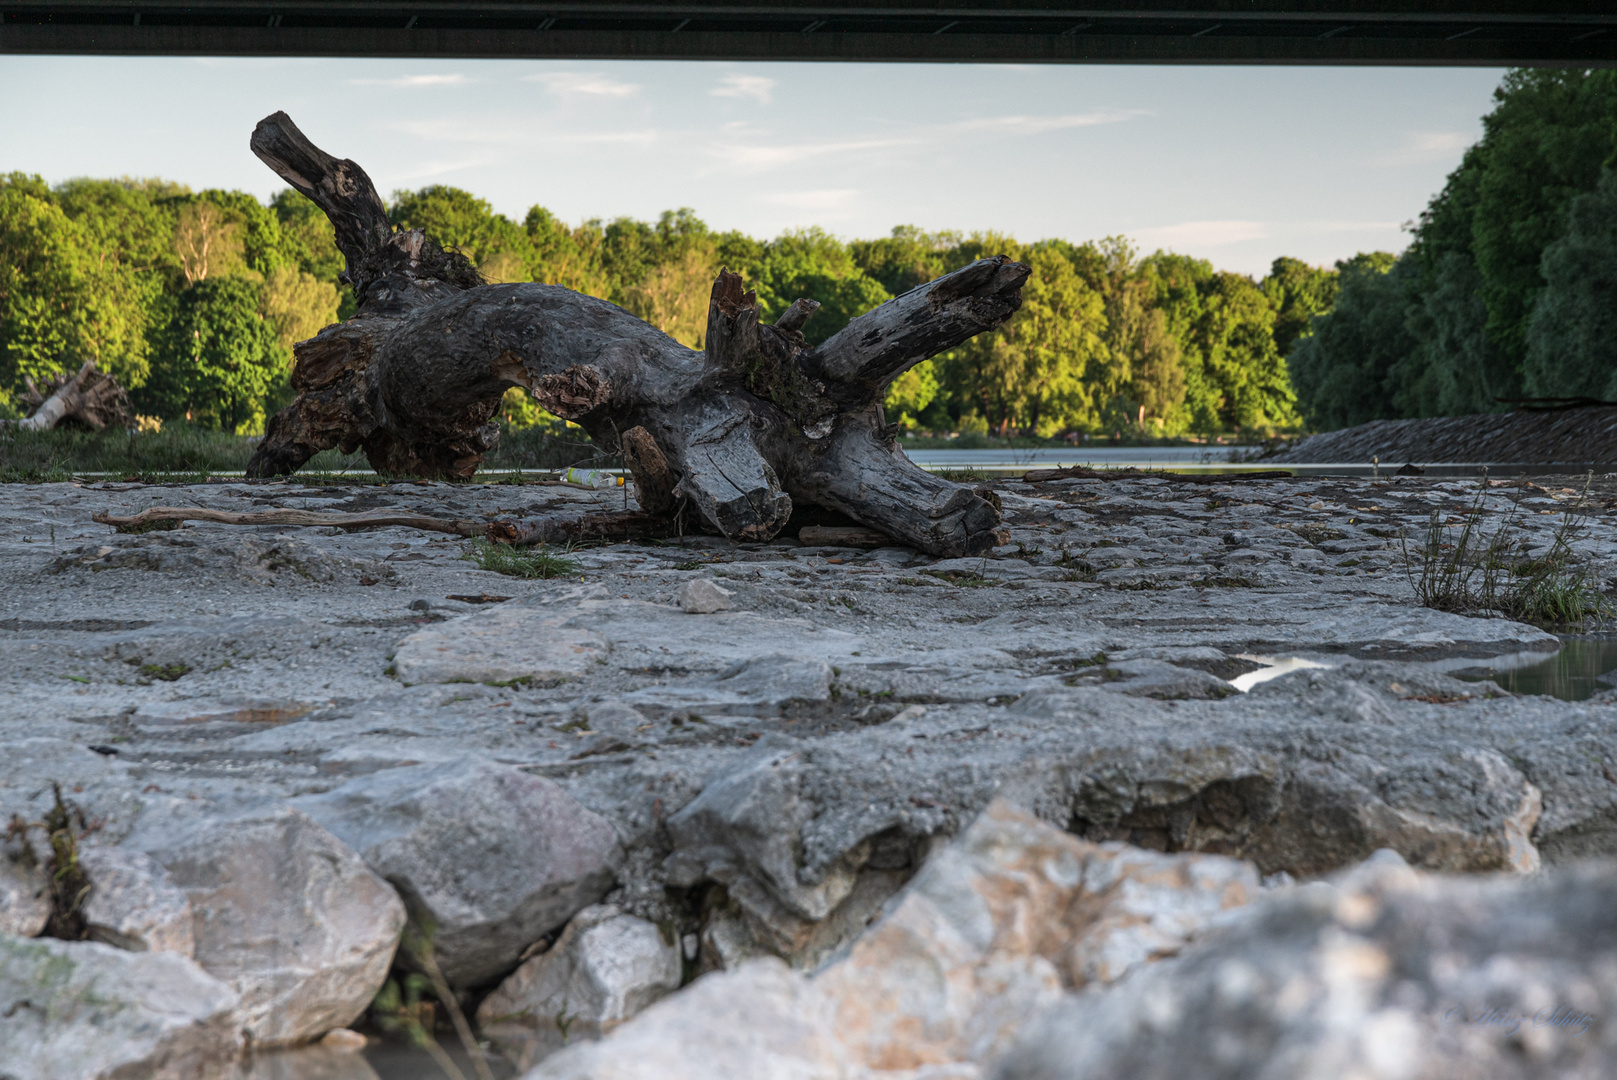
{"points": [[745, 831], [487, 857], [762, 1021], [606, 967], [81, 1010], [133, 903], [284, 912], [1386, 975], [991, 931]]}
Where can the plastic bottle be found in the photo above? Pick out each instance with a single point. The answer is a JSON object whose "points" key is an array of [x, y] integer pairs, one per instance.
{"points": [[597, 478]]}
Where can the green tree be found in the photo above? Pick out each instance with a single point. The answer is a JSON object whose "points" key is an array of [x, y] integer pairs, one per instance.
{"points": [[297, 304], [909, 395], [1147, 371], [1039, 372], [1343, 371], [1572, 337], [306, 236], [563, 256], [457, 219], [907, 258], [814, 264], [1542, 146], [62, 299], [222, 358], [1297, 292]]}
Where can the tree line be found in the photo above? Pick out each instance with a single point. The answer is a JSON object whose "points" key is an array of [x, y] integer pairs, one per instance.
{"points": [[1509, 288], [194, 299]]}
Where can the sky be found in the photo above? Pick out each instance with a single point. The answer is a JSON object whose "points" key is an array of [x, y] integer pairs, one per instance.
{"points": [[1237, 165]]}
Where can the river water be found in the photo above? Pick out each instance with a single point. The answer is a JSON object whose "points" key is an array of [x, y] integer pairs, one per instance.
{"points": [[1585, 666]]}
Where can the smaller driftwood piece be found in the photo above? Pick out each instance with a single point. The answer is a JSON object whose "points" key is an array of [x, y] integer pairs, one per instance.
{"points": [[558, 528], [90, 397]]}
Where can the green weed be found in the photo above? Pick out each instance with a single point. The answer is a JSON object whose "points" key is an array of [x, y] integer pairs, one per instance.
{"points": [[522, 562], [402, 1007], [1470, 570], [165, 672], [63, 826]]}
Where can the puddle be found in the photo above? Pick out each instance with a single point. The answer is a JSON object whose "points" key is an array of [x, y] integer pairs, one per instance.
{"points": [[1273, 668], [383, 1059], [1580, 670]]}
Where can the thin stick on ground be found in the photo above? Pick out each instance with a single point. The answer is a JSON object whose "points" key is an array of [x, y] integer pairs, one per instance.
{"points": [[520, 532], [156, 516]]}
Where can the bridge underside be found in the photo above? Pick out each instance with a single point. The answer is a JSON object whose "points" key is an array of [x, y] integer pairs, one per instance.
{"points": [[1434, 32]]}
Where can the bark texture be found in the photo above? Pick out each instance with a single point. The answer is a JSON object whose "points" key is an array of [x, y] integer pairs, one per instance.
{"points": [[725, 438]]}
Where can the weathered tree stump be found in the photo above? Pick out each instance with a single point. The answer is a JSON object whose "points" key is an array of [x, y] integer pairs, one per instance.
{"points": [[729, 436]]}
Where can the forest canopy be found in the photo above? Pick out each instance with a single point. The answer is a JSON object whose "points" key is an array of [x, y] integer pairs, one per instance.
{"points": [[1507, 291], [194, 299]]}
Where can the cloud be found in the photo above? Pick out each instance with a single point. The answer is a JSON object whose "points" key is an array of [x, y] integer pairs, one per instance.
{"points": [[427, 170], [755, 157], [1201, 233], [1347, 226], [583, 84], [1423, 146], [1038, 125], [828, 199], [517, 134], [414, 80], [740, 86]]}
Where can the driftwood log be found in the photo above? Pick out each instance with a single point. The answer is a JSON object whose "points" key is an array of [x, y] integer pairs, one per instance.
{"points": [[90, 397], [726, 437]]}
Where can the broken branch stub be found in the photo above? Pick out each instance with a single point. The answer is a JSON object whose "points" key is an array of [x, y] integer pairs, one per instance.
{"points": [[730, 436]]}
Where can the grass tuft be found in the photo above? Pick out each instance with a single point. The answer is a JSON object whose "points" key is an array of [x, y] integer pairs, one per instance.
{"points": [[522, 562], [1470, 570]]}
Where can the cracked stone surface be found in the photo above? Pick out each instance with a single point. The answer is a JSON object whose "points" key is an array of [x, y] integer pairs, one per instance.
{"points": [[772, 773]]}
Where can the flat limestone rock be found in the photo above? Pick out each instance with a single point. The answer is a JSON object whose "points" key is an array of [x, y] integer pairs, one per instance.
{"points": [[605, 968], [811, 751], [493, 858], [704, 596], [133, 903], [506, 645], [287, 914], [89, 1011]]}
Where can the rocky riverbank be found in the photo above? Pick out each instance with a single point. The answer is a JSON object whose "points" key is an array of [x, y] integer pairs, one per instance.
{"points": [[832, 811], [1572, 438]]}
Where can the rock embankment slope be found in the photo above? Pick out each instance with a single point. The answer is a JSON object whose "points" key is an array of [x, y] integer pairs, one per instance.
{"points": [[579, 791], [1576, 437]]}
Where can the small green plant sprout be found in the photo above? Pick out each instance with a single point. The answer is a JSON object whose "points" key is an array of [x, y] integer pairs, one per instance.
{"points": [[165, 672], [522, 562], [63, 827]]}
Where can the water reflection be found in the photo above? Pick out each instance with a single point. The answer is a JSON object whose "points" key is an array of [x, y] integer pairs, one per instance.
{"points": [[382, 1060], [1273, 668], [309, 1063], [1584, 667]]}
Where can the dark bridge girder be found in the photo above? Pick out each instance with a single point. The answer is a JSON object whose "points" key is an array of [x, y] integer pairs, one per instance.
{"points": [[1462, 32]]}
